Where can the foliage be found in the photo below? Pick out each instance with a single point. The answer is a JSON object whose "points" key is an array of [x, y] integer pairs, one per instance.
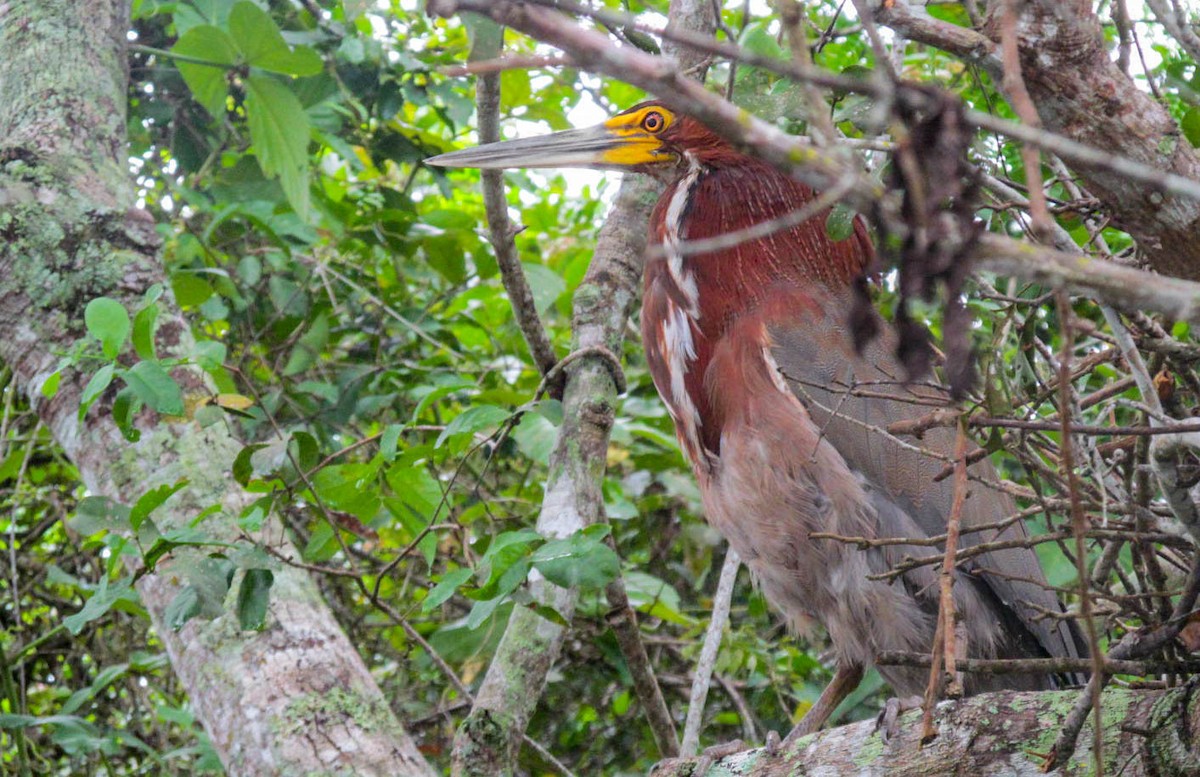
{"points": [[349, 313]]}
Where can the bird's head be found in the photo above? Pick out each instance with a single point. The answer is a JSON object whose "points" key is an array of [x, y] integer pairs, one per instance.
{"points": [[647, 138]]}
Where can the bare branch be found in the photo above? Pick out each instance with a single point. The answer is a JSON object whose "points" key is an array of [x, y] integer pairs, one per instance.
{"points": [[501, 232], [1174, 19], [708, 653]]}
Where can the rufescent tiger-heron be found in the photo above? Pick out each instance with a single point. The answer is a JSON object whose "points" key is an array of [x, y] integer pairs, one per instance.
{"points": [[783, 419]]}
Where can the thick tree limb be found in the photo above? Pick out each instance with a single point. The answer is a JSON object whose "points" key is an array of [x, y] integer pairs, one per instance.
{"points": [[1081, 93], [992, 734], [295, 697], [514, 682]]}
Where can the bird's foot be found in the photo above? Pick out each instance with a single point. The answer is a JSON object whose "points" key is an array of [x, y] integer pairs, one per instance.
{"points": [[888, 722], [710, 755]]}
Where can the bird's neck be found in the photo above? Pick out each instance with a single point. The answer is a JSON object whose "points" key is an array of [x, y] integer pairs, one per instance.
{"points": [[703, 307], [709, 203]]}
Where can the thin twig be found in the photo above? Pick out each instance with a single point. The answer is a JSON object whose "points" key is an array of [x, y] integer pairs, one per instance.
{"points": [[501, 232], [946, 609], [1018, 95], [623, 621], [1079, 529], [702, 678]]}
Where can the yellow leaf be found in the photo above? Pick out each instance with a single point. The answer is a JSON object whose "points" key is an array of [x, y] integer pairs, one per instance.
{"points": [[234, 401]]}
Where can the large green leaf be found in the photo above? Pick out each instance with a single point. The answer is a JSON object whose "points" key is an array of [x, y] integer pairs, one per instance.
{"points": [[253, 596], [472, 420], [261, 44], [208, 82], [279, 129], [106, 595], [579, 560], [107, 321], [155, 386]]}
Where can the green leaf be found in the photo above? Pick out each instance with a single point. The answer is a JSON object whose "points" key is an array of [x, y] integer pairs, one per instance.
{"points": [[839, 224], [252, 518], [279, 129], [427, 398], [208, 83], [389, 440], [758, 39], [482, 611], [124, 408], [351, 488], [178, 538], [190, 289], [655, 597], [104, 678], [446, 588], [210, 355], [154, 386], [252, 598], [472, 420], [243, 466], [50, 384], [416, 504], [211, 577], [1190, 124], [143, 332], [261, 43], [99, 513], [11, 466], [152, 500], [545, 284], [309, 346], [306, 450], [485, 35], [578, 560], [99, 603], [95, 387], [107, 321], [184, 607], [536, 436], [506, 562]]}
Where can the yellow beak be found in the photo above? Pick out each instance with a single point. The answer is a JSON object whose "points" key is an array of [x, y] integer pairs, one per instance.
{"points": [[617, 144]]}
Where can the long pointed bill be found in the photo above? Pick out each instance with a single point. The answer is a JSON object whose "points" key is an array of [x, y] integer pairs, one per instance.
{"points": [[613, 145]]}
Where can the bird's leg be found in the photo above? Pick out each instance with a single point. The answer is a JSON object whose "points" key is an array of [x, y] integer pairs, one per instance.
{"points": [[845, 679], [888, 722]]}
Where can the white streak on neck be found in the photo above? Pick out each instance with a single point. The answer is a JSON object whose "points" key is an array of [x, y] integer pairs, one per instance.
{"points": [[679, 351], [680, 274]]}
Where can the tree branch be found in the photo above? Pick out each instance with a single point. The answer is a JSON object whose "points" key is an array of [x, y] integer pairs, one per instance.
{"points": [[501, 232], [990, 734], [1174, 20], [515, 680]]}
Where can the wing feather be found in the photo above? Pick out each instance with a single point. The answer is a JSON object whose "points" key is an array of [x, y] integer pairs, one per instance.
{"points": [[854, 399]]}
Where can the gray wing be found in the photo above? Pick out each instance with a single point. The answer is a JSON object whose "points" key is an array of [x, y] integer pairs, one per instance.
{"points": [[817, 361]]}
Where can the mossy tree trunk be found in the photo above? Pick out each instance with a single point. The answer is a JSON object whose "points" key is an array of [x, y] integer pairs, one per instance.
{"points": [[293, 698]]}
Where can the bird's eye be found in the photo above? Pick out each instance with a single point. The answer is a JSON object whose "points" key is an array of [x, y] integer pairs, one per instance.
{"points": [[653, 121]]}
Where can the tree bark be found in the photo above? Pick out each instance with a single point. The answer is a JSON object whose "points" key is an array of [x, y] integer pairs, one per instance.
{"points": [[294, 697], [486, 741], [1009, 733], [1080, 92]]}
